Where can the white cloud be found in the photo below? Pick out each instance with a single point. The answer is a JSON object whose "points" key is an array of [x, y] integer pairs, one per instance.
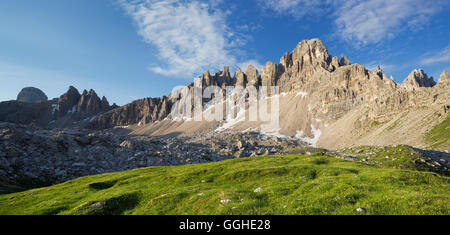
{"points": [[440, 57], [385, 67], [190, 37], [363, 21], [243, 65], [374, 20], [296, 8]]}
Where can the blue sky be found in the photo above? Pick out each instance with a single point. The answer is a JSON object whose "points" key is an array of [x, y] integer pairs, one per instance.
{"points": [[130, 49]]}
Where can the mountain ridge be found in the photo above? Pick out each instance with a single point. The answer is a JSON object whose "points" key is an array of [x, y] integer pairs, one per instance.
{"points": [[324, 99]]}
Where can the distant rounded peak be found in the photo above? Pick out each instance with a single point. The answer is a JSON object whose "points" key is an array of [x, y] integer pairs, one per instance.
{"points": [[31, 95]]}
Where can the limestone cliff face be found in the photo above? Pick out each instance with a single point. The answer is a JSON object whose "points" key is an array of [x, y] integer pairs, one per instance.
{"points": [[416, 79], [140, 112], [444, 79], [319, 90], [81, 106], [67, 102]]}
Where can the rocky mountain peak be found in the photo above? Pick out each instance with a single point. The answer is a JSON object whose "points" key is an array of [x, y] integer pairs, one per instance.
{"points": [[311, 52], [81, 106], [66, 102], [444, 79], [378, 71], [269, 74], [31, 95], [418, 78], [252, 75], [239, 78], [344, 61]]}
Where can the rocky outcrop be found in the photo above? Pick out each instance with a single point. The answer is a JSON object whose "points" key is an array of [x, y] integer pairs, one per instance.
{"points": [[31, 95], [418, 78], [269, 74], [344, 61], [239, 77], [252, 75], [444, 79], [44, 157], [68, 109], [90, 104], [81, 106], [67, 102], [26, 113], [140, 112]]}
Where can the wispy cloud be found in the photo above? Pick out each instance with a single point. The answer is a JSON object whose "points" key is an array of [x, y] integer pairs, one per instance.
{"points": [[385, 67], [441, 57], [375, 20], [296, 8], [363, 21], [243, 65], [190, 36]]}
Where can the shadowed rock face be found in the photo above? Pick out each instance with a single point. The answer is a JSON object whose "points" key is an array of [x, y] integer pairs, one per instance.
{"points": [[25, 113], [81, 106], [418, 78], [141, 112], [67, 102], [31, 95], [32, 107]]}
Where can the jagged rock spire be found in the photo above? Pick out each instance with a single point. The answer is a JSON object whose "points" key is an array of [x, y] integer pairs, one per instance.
{"points": [[418, 78], [252, 76], [344, 61], [269, 74], [444, 79]]}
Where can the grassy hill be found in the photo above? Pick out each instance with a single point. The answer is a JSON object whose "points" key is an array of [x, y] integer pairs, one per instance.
{"points": [[291, 184], [439, 136]]}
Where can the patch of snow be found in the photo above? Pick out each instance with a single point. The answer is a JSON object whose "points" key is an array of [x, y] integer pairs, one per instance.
{"points": [[53, 109], [182, 118], [302, 94], [73, 110], [93, 118], [121, 127], [312, 141], [240, 117], [267, 131]]}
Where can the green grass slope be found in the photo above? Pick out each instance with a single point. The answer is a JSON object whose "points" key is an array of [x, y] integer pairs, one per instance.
{"points": [[291, 184], [439, 136]]}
